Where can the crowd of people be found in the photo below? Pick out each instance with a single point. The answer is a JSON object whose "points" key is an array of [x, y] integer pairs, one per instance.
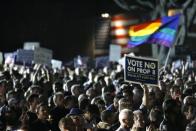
{"points": [[78, 99]]}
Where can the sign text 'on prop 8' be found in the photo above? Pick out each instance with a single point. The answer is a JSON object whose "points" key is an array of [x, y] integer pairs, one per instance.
{"points": [[141, 70]]}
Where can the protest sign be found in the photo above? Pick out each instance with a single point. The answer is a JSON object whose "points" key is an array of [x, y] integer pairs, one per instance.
{"points": [[141, 70], [1, 58], [9, 57], [122, 60], [101, 62], [80, 62], [42, 56], [115, 52], [31, 45], [24, 57], [56, 64]]}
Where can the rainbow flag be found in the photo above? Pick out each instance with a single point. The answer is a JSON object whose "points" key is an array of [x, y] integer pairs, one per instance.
{"points": [[160, 31]]}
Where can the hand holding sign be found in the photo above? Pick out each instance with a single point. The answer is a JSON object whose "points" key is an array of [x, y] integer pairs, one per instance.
{"points": [[144, 87], [145, 96]]}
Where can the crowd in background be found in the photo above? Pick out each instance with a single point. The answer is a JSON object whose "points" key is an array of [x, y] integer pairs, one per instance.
{"points": [[82, 99]]}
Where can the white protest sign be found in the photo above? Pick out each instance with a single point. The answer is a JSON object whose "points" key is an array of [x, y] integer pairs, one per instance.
{"points": [[80, 61], [56, 64], [42, 56], [122, 60], [9, 58], [31, 45], [1, 58], [115, 52]]}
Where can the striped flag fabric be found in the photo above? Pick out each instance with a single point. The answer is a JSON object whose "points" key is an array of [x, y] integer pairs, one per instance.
{"points": [[119, 28], [160, 31]]}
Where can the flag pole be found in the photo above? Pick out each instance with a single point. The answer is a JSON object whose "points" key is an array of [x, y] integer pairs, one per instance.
{"points": [[167, 58]]}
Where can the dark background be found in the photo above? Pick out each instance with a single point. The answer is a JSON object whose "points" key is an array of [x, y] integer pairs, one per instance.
{"points": [[66, 27]]}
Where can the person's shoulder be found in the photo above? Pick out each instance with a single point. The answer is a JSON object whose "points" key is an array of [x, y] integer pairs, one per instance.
{"points": [[119, 129], [191, 126], [31, 113], [39, 125], [110, 107], [54, 109], [37, 122], [164, 125], [115, 126]]}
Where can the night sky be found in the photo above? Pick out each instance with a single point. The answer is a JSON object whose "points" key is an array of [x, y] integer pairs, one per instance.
{"points": [[62, 25]]}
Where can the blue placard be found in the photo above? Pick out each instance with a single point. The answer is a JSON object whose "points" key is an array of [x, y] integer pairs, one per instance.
{"points": [[141, 70], [25, 57]]}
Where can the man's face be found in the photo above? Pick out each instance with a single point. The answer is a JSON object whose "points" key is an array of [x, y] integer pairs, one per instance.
{"points": [[60, 100], [137, 95], [128, 121], [35, 102], [128, 96], [77, 120], [90, 94], [115, 103]]}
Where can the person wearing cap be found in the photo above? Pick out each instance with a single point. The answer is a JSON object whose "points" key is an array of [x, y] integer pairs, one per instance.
{"points": [[77, 116], [91, 116]]}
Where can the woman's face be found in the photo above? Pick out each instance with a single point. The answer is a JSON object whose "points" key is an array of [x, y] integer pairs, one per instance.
{"points": [[189, 113], [139, 120], [43, 113], [87, 115]]}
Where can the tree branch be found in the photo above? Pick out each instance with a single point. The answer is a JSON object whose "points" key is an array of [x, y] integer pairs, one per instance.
{"points": [[146, 3], [122, 4]]}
